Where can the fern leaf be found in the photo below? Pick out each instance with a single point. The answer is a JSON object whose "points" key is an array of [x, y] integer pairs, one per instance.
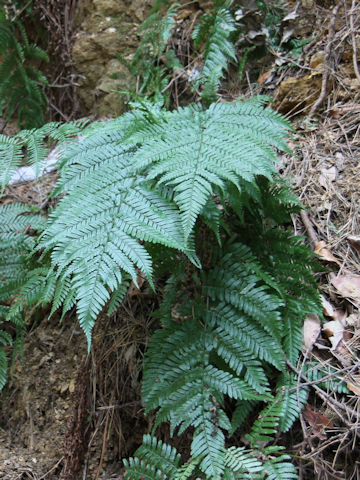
{"points": [[208, 444], [217, 352], [293, 338], [292, 402], [193, 152], [186, 471], [316, 371], [117, 297], [36, 150], [153, 460], [10, 159], [139, 470], [240, 460], [228, 384], [3, 366], [280, 469], [266, 423], [241, 412], [96, 226], [219, 50]]}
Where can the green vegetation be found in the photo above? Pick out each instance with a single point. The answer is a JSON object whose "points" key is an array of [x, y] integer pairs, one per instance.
{"points": [[190, 200], [21, 82], [191, 196], [155, 61]]}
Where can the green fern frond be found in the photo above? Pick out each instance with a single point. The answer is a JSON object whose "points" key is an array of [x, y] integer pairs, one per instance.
{"points": [[217, 350], [243, 461], [15, 245], [146, 66], [195, 151], [34, 291], [10, 158], [5, 35], [20, 82], [292, 398], [36, 150], [117, 297], [279, 468], [315, 371], [208, 444], [37, 143], [211, 215], [187, 470], [35, 52], [266, 424], [96, 226], [15, 271], [242, 410], [153, 460], [139, 470], [216, 27], [3, 364]]}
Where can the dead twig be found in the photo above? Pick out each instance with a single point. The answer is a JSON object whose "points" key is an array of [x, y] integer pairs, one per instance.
{"points": [[331, 376], [334, 404], [353, 39], [21, 11], [309, 228], [51, 469], [328, 51], [103, 448]]}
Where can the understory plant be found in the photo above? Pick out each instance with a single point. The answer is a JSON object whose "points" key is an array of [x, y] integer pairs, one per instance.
{"points": [[21, 81], [189, 200], [157, 63]]}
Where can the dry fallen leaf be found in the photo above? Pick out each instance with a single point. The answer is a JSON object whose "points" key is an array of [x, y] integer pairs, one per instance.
{"points": [[353, 320], [347, 285], [354, 385], [317, 421], [311, 330], [328, 309], [327, 176], [334, 330], [133, 290], [264, 76], [324, 253], [72, 385], [291, 15], [355, 241]]}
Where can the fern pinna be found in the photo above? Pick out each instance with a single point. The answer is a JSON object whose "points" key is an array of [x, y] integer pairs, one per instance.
{"points": [[193, 194]]}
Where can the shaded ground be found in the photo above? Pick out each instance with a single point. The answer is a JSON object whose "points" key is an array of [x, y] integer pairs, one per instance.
{"points": [[37, 402], [62, 409]]}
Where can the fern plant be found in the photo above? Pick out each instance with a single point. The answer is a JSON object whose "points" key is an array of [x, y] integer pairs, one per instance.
{"points": [[156, 62], [193, 196], [21, 83], [152, 60], [215, 29]]}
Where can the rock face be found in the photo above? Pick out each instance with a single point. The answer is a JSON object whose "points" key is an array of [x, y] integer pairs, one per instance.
{"points": [[105, 28]]}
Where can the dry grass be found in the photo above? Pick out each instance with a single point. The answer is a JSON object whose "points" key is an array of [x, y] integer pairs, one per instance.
{"points": [[326, 175]]}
